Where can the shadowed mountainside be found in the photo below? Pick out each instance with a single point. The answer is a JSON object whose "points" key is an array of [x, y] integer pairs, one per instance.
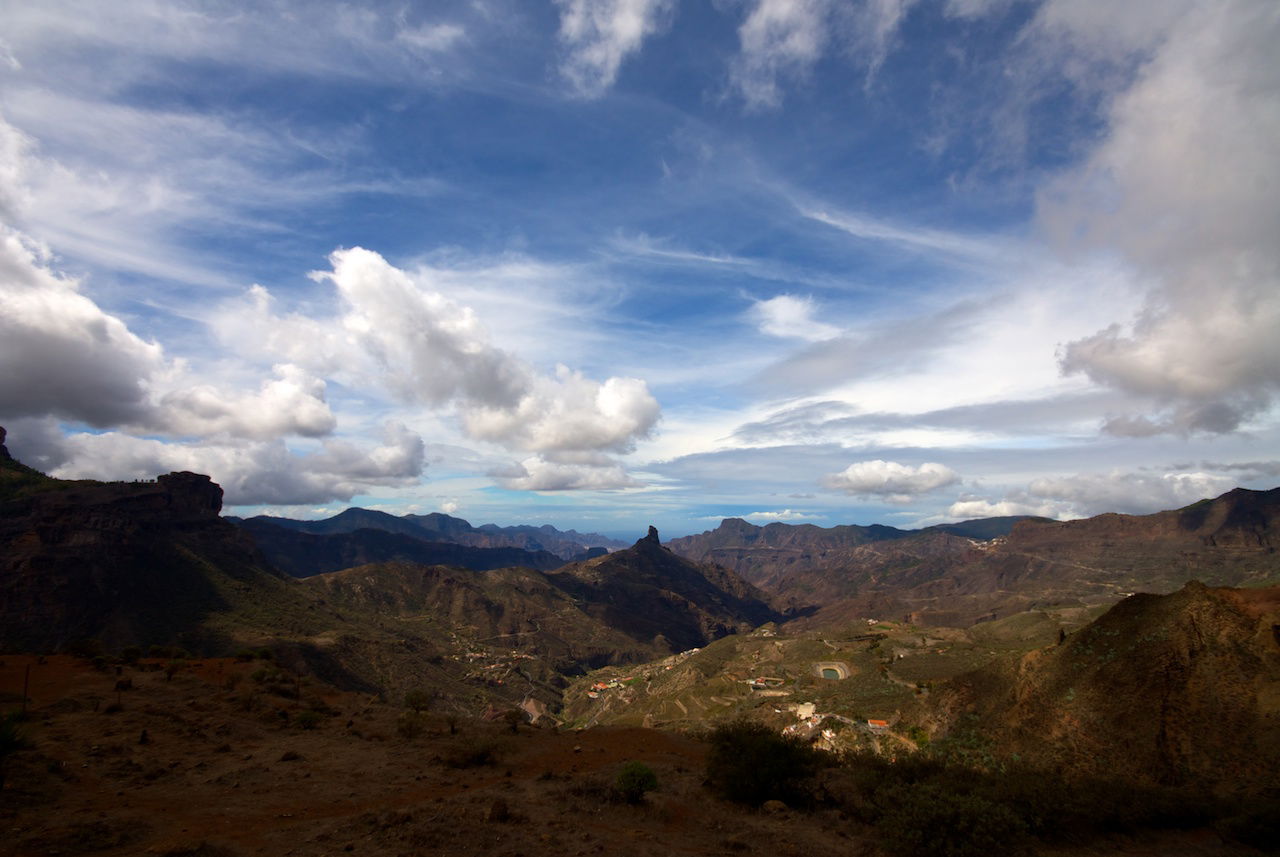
{"points": [[650, 592], [445, 529], [128, 563], [301, 554], [1202, 664]]}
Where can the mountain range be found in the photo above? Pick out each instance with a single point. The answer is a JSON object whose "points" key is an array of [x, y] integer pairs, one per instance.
{"points": [[999, 641], [981, 570]]}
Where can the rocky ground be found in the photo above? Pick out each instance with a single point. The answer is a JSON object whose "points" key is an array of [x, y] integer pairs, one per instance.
{"points": [[202, 758]]}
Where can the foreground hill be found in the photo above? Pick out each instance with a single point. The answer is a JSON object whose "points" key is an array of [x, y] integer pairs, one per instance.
{"points": [[958, 575], [224, 758], [1178, 689]]}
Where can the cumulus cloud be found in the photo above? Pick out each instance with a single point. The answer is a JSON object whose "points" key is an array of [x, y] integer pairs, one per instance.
{"points": [[791, 317], [569, 412], [65, 357], [1133, 493], [292, 403], [62, 355], [894, 482], [599, 34], [265, 472], [1182, 185], [428, 348], [778, 38], [401, 332], [1088, 494], [976, 507], [564, 473]]}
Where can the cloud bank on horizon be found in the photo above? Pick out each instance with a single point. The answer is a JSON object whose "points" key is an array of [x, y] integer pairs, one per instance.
{"points": [[602, 263]]}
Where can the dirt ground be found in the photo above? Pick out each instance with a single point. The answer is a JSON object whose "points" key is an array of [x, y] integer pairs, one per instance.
{"points": [[222, 772], [211, 762]]}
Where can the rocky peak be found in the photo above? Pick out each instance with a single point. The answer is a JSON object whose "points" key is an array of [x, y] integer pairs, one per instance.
{"points": [[192, 495], [4, 453]]}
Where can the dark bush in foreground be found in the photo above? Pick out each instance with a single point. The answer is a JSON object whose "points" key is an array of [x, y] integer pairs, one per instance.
{"points": [[1257, 823], [931, 821], [751, 763], [634, 780], [472, 752]]}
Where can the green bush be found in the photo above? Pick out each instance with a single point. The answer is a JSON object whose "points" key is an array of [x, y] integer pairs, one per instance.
{"points": [[12, 739], [1257, 824], [472, 752], [634, 780], [410, 725], [419, 700], [308, 719], [751, 763], [932, 821]]}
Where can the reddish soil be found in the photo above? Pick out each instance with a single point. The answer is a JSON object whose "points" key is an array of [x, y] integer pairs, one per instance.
{"points": [[222, 773], [212, 780]]}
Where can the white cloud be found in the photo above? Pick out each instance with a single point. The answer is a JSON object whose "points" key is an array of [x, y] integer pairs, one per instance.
{"points": [[428, 348], [896, 483], [1133, 493], [64, 357], [558, 473], [292, 403], [599, 34], [61, 354], [282, 37], [400, 332], [877, 25], [790, 316], [1182, 185], [569, 412], [253, 473], [782, 515], [1085, 495], [979, 508], [778, 38]]}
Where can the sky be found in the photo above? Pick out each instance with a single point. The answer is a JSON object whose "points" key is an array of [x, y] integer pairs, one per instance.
{"points": [[611, 263]]}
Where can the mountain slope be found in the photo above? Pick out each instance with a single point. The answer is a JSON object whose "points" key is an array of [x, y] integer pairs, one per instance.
{"points": [[126, 563], [945, 575], [1179, 689], [441, 528], [301, 553], [652, 594]]}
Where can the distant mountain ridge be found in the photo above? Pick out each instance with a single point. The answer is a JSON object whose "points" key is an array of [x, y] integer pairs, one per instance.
{"points": [[959, 574], [438, 527], [304, 554]]}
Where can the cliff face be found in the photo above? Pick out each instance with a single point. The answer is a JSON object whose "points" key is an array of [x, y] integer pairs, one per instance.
{"points": [[121, 562]]}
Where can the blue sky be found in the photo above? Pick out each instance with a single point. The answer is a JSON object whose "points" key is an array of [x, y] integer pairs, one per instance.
{"points": [[606, 263]]}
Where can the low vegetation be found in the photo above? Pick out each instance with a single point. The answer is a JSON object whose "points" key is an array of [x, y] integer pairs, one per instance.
{"points": [[954, 799], [751, 763]]}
